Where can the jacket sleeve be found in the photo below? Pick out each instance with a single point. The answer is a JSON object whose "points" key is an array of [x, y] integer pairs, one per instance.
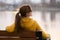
{"points": [[38, 27], [10, 28]]}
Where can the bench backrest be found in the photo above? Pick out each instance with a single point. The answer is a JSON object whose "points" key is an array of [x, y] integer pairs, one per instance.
{"points": [[25, 35]]}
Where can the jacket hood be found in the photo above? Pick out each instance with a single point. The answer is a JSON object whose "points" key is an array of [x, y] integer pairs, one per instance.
{"points": [[26, 22]]}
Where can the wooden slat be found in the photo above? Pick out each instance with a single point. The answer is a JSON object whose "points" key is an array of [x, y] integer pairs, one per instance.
{"points": [[23, 34], [17, 39], [28, 38], [10, 39]]}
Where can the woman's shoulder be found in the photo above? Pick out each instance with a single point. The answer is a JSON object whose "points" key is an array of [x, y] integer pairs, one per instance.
{"points": [[33, 20]]}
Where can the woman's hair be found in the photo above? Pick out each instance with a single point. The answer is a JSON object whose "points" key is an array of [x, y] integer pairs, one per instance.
{"points": [[22, 13]]}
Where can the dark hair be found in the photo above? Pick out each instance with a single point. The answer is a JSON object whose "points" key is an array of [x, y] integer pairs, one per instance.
{"points": [[22, 13]]}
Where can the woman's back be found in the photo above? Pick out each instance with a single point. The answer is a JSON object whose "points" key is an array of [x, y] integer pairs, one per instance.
{"points": [[28, 24]]}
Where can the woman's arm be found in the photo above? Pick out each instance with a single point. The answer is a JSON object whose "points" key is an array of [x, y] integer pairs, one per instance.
{"points": [[10, 28], [38, 28]]}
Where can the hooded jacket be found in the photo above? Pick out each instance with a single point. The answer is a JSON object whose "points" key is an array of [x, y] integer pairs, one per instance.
{"points": [[28, 24]]}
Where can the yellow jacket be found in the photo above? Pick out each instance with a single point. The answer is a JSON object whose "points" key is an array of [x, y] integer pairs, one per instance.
{"points": [[28, 24]]}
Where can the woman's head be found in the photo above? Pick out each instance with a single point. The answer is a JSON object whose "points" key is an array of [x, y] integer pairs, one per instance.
{"points": [[25, 11]]}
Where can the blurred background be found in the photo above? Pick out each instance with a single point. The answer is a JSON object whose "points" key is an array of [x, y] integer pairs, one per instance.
{"points": [[45, 12]]}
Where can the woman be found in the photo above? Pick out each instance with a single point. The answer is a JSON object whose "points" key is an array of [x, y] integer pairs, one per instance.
{"points": [[23, 21]]}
